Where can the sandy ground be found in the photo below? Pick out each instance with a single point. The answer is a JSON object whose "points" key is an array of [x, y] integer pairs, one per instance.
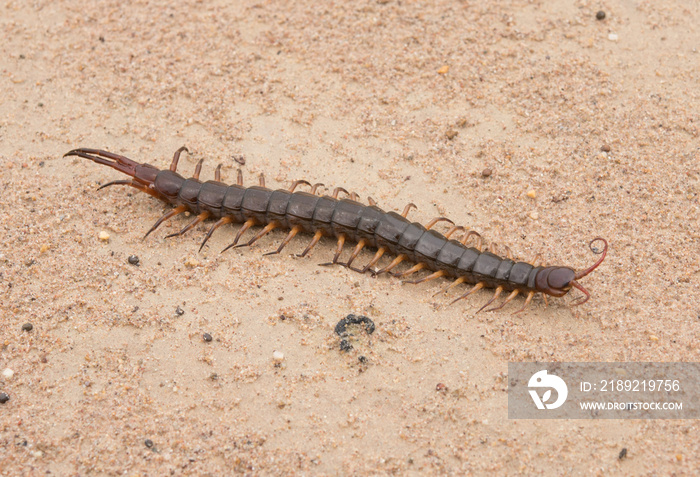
{"points": [[401, 101]]}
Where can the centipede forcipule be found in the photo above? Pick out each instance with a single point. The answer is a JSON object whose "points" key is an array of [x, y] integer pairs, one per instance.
{"points": [[347, 221]]}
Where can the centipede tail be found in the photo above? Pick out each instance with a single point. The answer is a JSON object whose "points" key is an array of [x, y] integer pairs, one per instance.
{"points": [[346, 220]]}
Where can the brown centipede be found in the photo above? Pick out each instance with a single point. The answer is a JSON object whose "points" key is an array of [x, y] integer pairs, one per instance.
{"points": [[348, 221]]}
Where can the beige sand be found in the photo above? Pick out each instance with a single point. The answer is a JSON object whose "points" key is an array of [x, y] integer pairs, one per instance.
{"points": [[402, 101]]}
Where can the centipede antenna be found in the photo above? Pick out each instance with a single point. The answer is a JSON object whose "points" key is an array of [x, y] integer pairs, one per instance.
{"points": [[219, 223], [177, 210], [246, 225], [493, 298], [295, 230], [198, 169], [585, 272], [314, 241], [176, 158], [198, 219], [217, 173], [476, 288]]}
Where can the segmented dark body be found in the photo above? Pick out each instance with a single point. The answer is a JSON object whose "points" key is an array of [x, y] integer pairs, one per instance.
{"points": [[345, 219]]}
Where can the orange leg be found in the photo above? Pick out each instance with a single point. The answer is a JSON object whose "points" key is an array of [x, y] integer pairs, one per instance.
{"points": [[413, 269], [337, 191], [198, 219], [295, 230], [198, 169], [315, 188], [373, 262], [217, 173], [338, 251], [358, 248], [438, 274], [314, 241], [219, 223], [453, 284], [246, 225], [177, 210], [513, 294], [453, 230], [527, 301], [262, 180], [408, 208], [296, 183], [476, 288], [266, 230], [495, 295], [176, 158], [239, 178], [398, 259], [436, 220]]}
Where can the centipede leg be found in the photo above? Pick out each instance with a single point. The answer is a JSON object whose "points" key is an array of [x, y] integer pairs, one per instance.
{"points": [[451, 285], [198, 219], [436, 220], [513, 294], [413, 269], [476, 288], [495, 295], [408, 208], [438, 274], [398, 259], [337, 191], [262, 180], [453, 230], [371, 201], [266, 230], [198, 169], [315, 187], [219, 223], [373, 262], [295, 230], [177, 210], [176, 158], [246, 225], [338, 251], [354, 196], [296, 183], [527, 302], [239, 178], [358, 248], [217, 173], [314, 241]]}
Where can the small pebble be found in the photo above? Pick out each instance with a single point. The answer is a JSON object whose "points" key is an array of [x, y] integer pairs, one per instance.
{"points": [[653, 337], [451, 134], [134, 260], [27, 327], [179, 311], [605, 148], [622, 454], [44, 248], [534, 215], [103, 236], [148, 443], [600, 15], [531, 193], [4, 397], [278, 356], [441, 388], [7, 373], [613, 37], [207, 337], [443, 70], [191, 262], [486, 172]]}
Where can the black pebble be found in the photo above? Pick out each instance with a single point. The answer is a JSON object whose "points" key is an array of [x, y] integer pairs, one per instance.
{"points": [[4, 397], [207, 337], [27, 327], [179, 311], [623, 453], [600, 15], [134, 260], [148, 443]]}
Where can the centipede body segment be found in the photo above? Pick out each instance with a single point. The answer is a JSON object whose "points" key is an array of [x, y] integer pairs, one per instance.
{"points": [[348, 221]]}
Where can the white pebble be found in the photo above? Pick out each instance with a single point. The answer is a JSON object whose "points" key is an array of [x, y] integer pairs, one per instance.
{"points": [[7, 373], [278, 356], [613, 37], [534, 215], [104, 236]]}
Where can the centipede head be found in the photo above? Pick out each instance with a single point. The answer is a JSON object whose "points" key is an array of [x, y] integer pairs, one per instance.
{"points": [[142, 173], [557, 281]]}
